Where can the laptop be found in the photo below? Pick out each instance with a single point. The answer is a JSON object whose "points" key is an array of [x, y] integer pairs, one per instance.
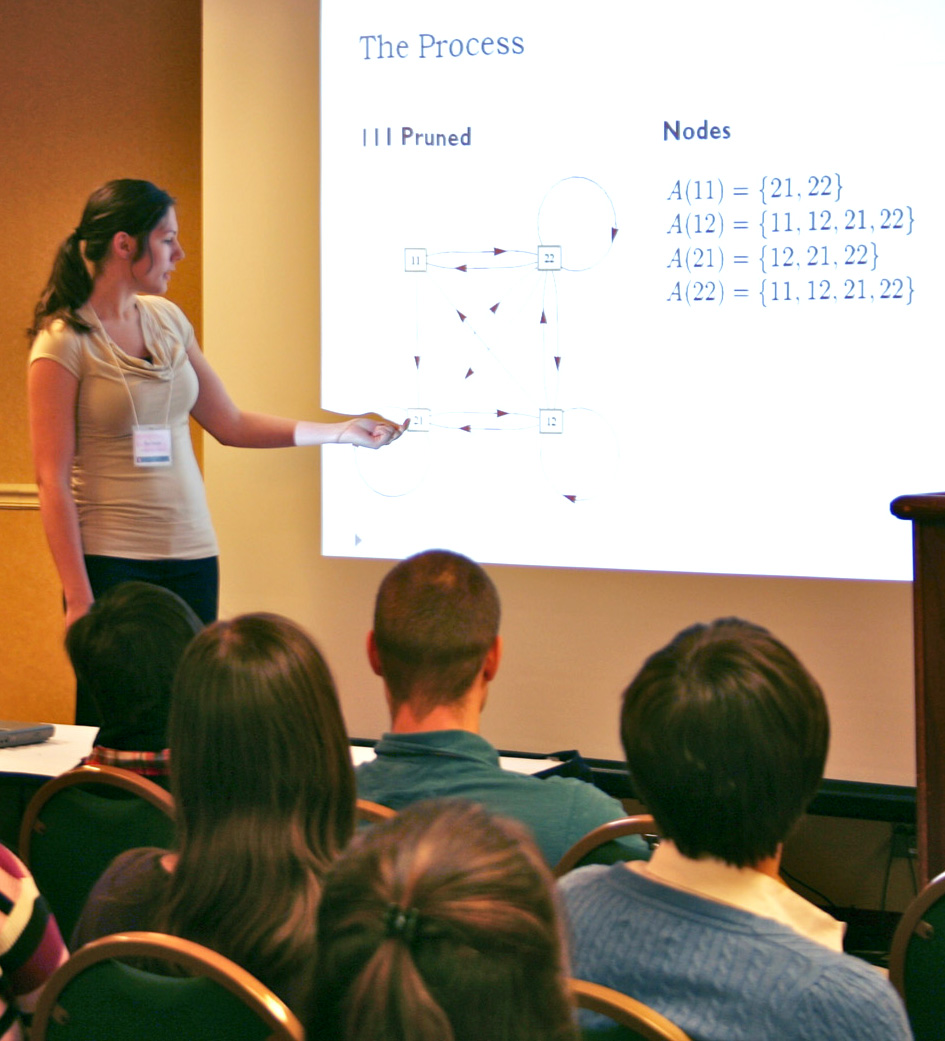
{"points": [[13, 732]]}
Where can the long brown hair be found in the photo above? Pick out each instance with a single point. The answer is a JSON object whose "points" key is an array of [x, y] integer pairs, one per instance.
{"points": [[440, 925], [262, 778]]}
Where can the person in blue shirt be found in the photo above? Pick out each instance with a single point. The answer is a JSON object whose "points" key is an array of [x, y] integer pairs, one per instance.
{"points": [[726, 736], [436, 646]]}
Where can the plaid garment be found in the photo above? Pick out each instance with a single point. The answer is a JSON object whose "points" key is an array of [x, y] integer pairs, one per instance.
{"points": [[147, 764]]}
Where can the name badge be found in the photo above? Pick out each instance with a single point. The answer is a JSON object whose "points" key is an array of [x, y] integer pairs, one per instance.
{"points": [[152, 445]]}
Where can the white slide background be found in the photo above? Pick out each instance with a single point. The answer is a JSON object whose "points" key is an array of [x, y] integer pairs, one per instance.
{"points": [[733, 335]]}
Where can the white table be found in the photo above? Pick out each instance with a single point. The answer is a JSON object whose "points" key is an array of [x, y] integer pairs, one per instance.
{"points": [[520, 765], [64, 750]]}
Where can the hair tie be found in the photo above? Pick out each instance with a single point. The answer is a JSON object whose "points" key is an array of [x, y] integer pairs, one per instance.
{"points": [[401, 923]]}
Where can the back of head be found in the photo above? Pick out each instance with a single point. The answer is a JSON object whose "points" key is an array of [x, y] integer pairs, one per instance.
{"points": [[132, 206], [264, 788], [726, 735], [125, 652], [256, 731], [435, 618], [440, 925]]}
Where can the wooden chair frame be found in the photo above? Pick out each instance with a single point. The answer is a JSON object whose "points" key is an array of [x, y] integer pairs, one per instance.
{"points": [[193, 958], [909, 925], [66, 853], [644, 1021], [640, 824], [85, 776], [373, 811]]}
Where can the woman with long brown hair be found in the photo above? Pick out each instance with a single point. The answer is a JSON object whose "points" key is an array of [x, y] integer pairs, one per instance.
{"points": [[262, 779], [440, 925], [115, 375]]}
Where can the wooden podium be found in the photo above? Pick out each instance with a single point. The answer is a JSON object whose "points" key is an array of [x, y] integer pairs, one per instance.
{"points": [[927, 513]]}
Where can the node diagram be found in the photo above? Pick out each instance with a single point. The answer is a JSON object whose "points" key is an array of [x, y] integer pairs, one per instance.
{"points": [[490, 350]]}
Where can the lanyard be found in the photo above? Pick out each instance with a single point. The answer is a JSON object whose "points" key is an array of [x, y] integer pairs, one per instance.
{"points": [[112, 350], [151, 443]]}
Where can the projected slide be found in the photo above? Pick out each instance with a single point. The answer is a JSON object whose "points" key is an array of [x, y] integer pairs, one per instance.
{"points": [[657, 285]]}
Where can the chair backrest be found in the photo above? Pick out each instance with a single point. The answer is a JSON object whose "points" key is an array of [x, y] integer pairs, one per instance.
{"points": [[77, 823], [641, 824], [917, 961], [201, 996], [373, 811], [633, 1019]]}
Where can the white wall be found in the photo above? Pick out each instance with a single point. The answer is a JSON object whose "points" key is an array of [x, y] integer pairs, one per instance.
{"points": [[573, 639]]}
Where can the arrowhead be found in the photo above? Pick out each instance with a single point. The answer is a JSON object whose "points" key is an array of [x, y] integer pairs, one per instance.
{"points": [[544, 320], [461, 267], [462, 317], [499, 412], [557, 361], [416, 360], [571, 498], [357, 540], [469, 372], [467, 428], [495, 307], [496, 251], [613, 234]]}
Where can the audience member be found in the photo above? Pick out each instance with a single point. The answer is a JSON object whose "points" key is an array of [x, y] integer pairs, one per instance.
{"points": [[441, 923], [262, 779], [725, 734], [436, 646], [124, 653], [31, 948]]}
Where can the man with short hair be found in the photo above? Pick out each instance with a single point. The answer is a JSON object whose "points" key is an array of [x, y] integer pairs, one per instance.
{"points": [[436, 645], [726, 736]]}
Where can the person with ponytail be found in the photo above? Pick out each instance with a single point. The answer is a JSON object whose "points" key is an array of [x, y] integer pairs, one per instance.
{"points": [[115, 373], [440, 925], [265, 801]]}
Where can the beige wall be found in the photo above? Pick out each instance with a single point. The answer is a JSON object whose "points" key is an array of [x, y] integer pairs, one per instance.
{"points": [[88, 91]]}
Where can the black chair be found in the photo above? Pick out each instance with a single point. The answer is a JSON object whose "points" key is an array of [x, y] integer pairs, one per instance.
{"points": [[917, 961], [77, 823], [198, 996]]}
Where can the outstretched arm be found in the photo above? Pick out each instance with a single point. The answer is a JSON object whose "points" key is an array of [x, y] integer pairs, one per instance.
{"points": [[369, 431], [219, 415]]}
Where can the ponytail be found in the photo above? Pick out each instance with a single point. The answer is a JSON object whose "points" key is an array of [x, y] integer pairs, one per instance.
{"points": [[389, 1000], [68, 288], [134, 207]]}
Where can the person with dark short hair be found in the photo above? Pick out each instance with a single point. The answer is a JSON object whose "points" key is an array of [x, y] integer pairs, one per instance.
{"points": [[125, 653], [436, 646], [726, 736]]}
